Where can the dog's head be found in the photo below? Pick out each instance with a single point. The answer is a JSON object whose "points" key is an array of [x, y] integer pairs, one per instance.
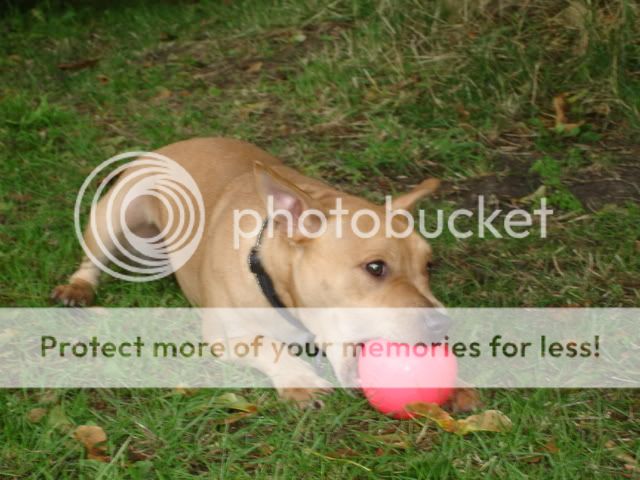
{"points": [[348, 262]]}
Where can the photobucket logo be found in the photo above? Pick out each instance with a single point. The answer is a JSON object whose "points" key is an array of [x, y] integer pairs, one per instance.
{"points": [[161, 180], [516, 223]]}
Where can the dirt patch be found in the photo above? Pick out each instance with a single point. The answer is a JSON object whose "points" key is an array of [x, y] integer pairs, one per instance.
{"points": [[618, 186], [496, 188], [594, 189]]}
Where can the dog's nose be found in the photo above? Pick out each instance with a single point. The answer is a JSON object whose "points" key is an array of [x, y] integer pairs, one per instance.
{"points": [[438, 325]]}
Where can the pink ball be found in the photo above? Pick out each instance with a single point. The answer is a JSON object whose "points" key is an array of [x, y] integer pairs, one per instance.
{"points": [[393, 375]]}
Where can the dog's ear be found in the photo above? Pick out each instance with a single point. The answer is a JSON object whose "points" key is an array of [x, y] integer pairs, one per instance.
{"points": [[284, 196], [409, 199]]}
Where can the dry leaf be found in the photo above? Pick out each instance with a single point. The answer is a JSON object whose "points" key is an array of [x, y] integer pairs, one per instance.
{"points": [[299, 37], [255, 67], [559, 107], [256, 108], [551, 447], [344, 453], [562, 123], [36, 414], [540, 192], [489, 421], [187, 392], [435, 413], [93, 439], [136, 455], [235, 402], [79, 65], [463, 113], [534, 459], [163, 93], [233, 418]]}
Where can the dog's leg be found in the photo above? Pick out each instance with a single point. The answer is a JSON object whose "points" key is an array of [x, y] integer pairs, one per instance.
{"points": [[293, 378], [80, 290]]}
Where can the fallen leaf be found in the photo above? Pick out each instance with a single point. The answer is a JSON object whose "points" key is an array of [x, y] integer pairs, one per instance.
{"points": [[93, 439], [255, 67], [58, 419], [299, 37], [489, 421], [540, 192], [559, 107], [136, 455], [163, 93], [187, 392], [235, 402], [562, 123], [463, 113], [551, 447], [233, 418], [79, 65], [534, 459], [344, 453], [36, 414], [435, 413], [256, 108]]}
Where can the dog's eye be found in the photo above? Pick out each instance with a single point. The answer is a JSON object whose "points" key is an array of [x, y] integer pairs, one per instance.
{"points": [[377, 268]]}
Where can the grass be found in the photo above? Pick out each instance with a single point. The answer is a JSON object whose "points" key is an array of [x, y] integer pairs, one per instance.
{"points": [[371, 96]]}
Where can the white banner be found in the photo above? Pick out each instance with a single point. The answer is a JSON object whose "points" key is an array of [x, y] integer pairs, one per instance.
{"points": [[497, 348]]}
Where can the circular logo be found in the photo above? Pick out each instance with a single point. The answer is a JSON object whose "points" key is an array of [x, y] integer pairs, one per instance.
{"points": [[165, 183]]}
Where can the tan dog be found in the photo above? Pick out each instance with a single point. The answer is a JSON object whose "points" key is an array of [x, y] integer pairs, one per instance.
{"points": [[323, 272]]}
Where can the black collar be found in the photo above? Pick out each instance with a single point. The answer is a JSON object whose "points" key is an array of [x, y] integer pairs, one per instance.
{"points": [[262, 277], [266, 284]]}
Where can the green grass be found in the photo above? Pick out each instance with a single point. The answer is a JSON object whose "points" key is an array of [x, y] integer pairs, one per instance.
{"points": [[371, 96]]}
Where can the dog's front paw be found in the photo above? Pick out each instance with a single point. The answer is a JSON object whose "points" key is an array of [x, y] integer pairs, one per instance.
{"points": [[464, 400], [305, 397], [76, 294], [308, 396]]}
